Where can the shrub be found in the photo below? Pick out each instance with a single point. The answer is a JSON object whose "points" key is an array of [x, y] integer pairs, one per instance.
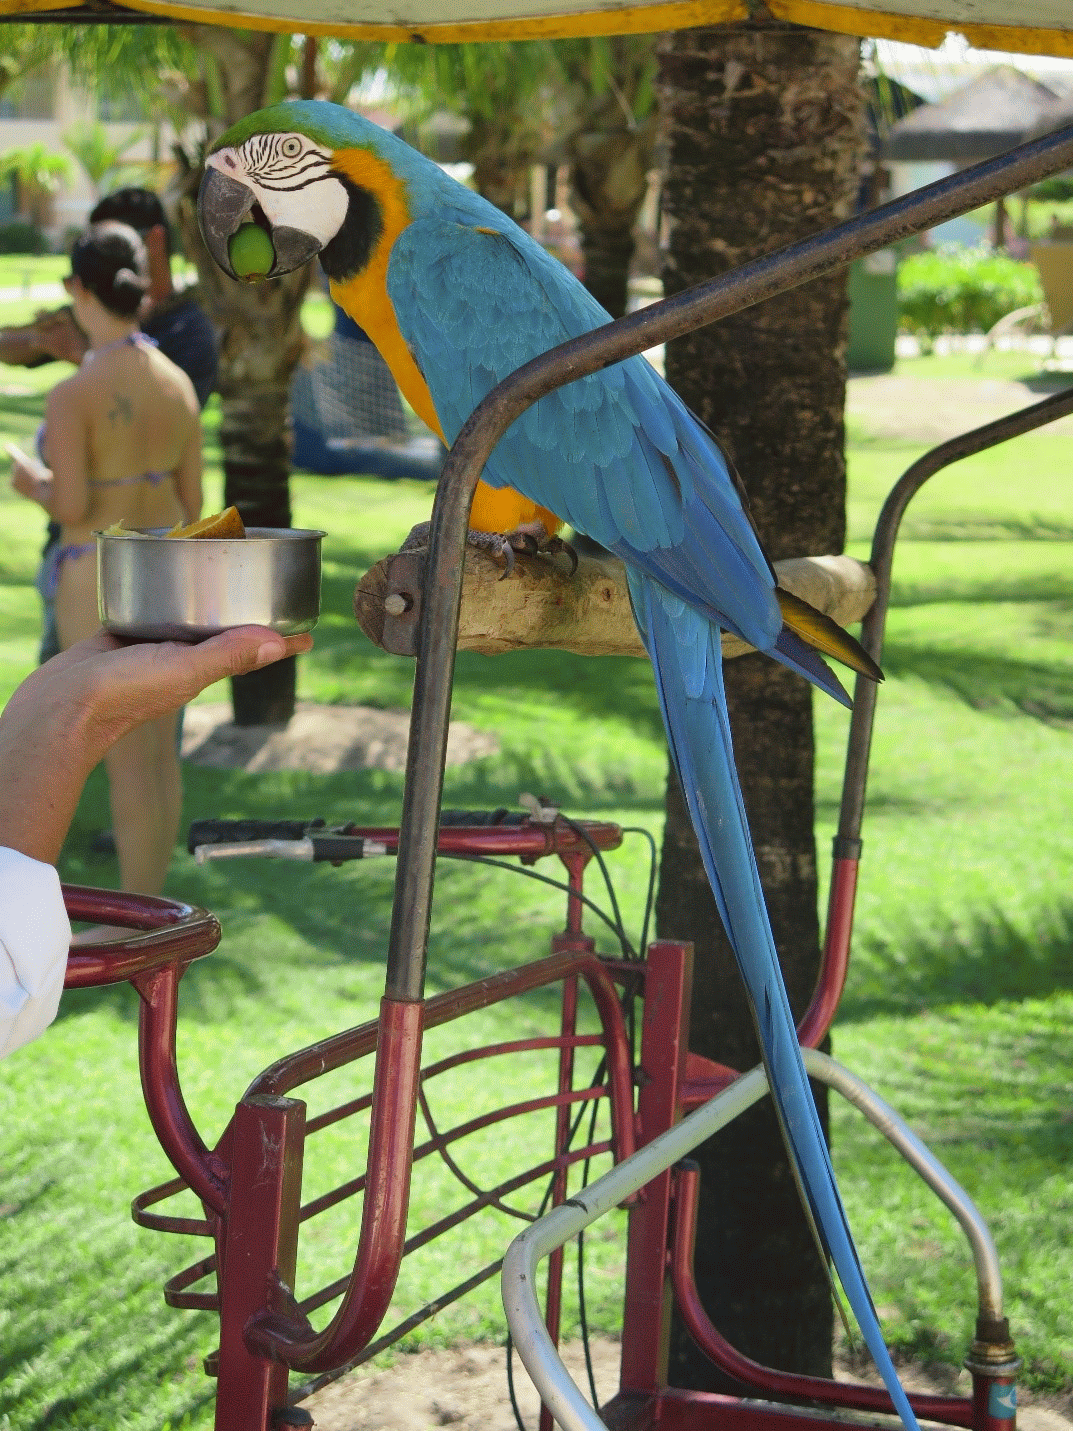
{"points": [[21, 237], [962, 290], [1058, 189]]}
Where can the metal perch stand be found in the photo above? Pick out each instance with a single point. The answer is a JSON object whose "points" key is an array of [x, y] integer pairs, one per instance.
{"points": [[253, 1210]]}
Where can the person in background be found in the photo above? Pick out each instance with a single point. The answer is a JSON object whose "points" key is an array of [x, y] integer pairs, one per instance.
{"points": [[59, 724], [121, 443], [172, 317]]}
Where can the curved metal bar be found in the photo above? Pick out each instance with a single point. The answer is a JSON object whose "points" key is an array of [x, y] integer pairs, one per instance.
{"points": [[966, 444], [168, 933], [520, 1278], [834, 966], [383, 1215], [290, 1072], [205, 1172], [381, 1240], [924, 1162], [753, 282], [170, 937], [556, 1228], [847, 844]]}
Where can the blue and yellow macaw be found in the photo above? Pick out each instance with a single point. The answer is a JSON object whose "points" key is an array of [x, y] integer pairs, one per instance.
{"points": [[456, 297]]}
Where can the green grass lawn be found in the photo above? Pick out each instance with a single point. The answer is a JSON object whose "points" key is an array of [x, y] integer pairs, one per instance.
{"points": [[958, 1007]]}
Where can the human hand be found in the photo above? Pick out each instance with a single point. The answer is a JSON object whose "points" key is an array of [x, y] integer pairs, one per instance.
{"points": [[59, 336], [51, 335], [69, 712]]}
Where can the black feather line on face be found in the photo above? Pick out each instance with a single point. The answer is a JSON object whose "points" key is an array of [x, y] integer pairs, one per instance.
{"points": [[349, 252]]}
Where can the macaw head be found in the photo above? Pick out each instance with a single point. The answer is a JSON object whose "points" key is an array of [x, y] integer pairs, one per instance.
{"points": [[306, 178]]}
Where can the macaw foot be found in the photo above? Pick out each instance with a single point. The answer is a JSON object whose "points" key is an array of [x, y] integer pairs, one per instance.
{"points": [[531, 538]]}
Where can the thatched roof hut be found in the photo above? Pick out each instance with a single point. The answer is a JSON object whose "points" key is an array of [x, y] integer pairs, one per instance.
{"points": [[1055, 116], [988, 116]]}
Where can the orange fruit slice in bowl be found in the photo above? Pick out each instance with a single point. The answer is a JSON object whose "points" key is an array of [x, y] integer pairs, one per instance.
{"points": [[227, 523]]}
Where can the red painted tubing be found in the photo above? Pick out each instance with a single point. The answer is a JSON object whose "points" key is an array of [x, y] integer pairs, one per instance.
{"points": [[951, 1410]]}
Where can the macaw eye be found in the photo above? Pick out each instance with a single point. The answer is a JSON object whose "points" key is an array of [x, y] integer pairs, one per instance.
{"points": [[291, 147]]}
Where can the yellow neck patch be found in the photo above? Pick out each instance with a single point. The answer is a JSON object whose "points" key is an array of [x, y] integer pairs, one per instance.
{"points": [[365, 297]]}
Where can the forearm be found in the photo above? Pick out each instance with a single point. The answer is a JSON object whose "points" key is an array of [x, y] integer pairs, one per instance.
{"points": [[43, 767], [31, 479], [49, 338]]}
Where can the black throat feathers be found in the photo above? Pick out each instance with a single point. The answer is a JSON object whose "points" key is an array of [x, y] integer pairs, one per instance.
{"points": [[350, 250]]}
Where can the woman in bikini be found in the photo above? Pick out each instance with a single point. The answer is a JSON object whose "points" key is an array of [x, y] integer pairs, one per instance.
{"points": [[122, 442]]}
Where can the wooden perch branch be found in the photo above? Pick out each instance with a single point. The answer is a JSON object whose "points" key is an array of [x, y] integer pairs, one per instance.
{"points": [[541, 604]]}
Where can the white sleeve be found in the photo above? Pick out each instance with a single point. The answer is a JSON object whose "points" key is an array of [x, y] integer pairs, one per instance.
{"points": [[35, 936]]}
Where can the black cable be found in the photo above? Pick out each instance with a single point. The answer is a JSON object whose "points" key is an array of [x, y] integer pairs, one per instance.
{"points": [[650, 898], [627, 1002], [510, 1385], [544, 879], [628, 951], [601, 1069]]}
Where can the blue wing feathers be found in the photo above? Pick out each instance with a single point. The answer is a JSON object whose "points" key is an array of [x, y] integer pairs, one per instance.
{"points": [[504, 301], [621, 458]]}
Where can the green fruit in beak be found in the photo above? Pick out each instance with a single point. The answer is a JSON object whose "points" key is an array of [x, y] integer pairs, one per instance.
{"points": [[251, 253]]}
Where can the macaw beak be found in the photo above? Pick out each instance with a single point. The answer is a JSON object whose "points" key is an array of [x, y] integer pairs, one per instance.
{"points": [[223, 204]]}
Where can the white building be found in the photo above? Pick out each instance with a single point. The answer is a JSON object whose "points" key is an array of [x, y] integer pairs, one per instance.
{"points": [[41, 108]]}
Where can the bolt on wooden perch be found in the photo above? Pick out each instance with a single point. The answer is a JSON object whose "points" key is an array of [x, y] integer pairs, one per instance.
{"points": [[541, 604]]}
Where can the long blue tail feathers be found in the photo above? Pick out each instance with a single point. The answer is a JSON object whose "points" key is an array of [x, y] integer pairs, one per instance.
{"points": [[686, 657]]}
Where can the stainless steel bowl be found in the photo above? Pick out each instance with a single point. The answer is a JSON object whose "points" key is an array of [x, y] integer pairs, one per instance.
{"points": [[154, 590]]}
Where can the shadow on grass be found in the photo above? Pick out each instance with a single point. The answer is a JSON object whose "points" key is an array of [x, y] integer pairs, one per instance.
{"points": [[1044, 382], [985, 527], [81, 1408], [26, 407], [983, 960], [1027, 589], [880, 802], [1040, 690]]}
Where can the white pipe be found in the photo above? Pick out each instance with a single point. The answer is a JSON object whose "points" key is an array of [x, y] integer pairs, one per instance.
{"points": [[538, 1353]]}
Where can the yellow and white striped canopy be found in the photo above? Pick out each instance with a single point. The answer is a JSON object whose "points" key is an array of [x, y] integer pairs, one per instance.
{"points": [[1029, 26]]}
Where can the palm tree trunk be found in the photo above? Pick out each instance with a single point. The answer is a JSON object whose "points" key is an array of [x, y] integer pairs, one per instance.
{"points": [[261, 342], [608, 183], [764, 130]]}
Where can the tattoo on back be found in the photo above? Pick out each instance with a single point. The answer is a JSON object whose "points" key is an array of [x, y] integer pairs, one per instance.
{"points": [[122, 410]]}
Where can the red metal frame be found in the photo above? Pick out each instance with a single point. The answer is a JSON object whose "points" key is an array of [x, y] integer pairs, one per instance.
{"points": [[250, 1183], [660, 1256]]}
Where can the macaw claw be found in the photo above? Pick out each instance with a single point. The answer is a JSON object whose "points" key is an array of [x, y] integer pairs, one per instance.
{"points": [[418, 539], [502, 546], [556, 545], [531, 539]]}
